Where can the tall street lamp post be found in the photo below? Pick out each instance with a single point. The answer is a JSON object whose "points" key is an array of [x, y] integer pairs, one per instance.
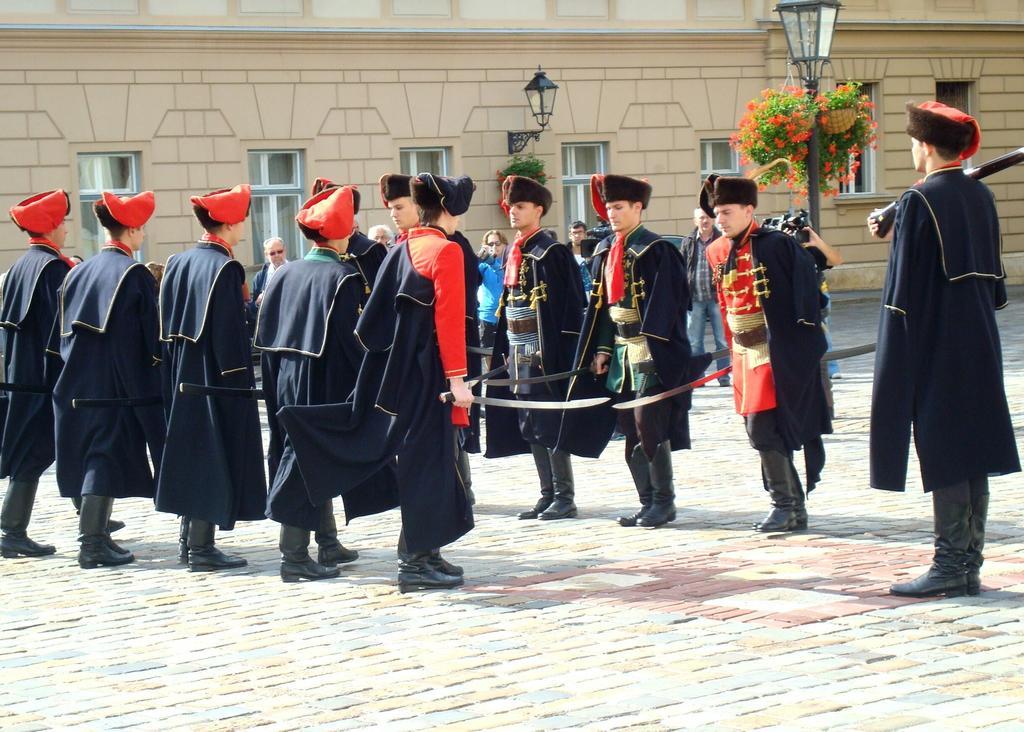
{"points": [[809, 26]]}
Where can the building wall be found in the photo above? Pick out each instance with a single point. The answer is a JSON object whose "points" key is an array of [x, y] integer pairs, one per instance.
{"points": [[350, 91]]}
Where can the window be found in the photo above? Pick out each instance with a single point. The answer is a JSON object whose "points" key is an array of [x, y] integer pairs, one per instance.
{"points": [[580, 160], [98, 172], [864, 179], [955, 94], [415, 160], [717, 156], [276, 180]]}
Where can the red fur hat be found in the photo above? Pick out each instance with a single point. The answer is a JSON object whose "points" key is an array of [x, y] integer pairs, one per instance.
{"points": [[228, 205], [944, 126], [43, 212], [331, 213], [133, 211]]}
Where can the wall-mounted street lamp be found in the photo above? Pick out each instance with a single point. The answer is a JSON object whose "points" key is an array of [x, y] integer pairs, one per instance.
{"points": [[809, 26], [540, 93]]}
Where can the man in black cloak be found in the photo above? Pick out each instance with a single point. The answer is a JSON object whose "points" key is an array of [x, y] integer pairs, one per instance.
{"points": [[306, 331], [212, 468], [539, 319], [771, 305], [26, 316], [939, 365], [107, 342], [412, 328], [635, 334]]}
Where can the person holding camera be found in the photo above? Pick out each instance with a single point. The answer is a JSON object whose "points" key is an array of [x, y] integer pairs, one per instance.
{"points": [[492, 277]]}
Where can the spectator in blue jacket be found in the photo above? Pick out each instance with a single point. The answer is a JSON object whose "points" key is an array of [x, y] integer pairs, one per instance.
{"points": [[492, 275]]}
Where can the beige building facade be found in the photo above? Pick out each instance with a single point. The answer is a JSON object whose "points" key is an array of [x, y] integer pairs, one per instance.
{"points": [[185, 96]]}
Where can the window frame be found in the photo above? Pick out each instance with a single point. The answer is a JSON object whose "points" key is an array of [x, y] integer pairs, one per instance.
{"points": [[868, 157], [274, 192], [444, 150], [91, 195], [577, 186], [733, 155]]}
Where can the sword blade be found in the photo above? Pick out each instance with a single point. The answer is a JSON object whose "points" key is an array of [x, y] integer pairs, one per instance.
{"points": [[654, 398], [537, 404], [850, 352], [537, 379], [486, 378]]}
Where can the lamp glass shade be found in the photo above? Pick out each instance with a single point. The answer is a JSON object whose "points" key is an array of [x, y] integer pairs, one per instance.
{"points": [[809, 26], [540, 94]]}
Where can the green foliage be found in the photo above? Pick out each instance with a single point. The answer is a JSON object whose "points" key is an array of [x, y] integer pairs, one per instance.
{"points": [[527, 166]]}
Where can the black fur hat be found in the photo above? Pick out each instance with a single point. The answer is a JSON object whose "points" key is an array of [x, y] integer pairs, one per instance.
{"points": [[394, 185], [452, 194], [516, 188], [719, 190], [945, 127], [623, 188]]}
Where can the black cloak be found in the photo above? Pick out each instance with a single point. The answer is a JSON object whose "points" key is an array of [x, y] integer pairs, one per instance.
{"points": [[939, 365], [394, 410], [108, 339], [212, 466], [661, 269], [30, 302], [311, 356], [551, 267]]}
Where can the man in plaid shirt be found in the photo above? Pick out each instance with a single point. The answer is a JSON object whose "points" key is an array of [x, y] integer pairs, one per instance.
{"points": [[702, 289]]}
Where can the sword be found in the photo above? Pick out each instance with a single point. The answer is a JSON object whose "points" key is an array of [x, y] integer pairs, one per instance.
{"points": [[537, 379], [486, 378], [219, 391], [448, 397], [644, 401], [104, 403], [24, 389], [849, 352], [886, 217]]}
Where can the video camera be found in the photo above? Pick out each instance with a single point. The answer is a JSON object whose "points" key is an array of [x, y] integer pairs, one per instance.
{"points": [[594, 237], [792, 223]]}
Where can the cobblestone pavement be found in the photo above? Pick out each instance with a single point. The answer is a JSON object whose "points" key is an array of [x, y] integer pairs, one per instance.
{"points": [[580, 623]]}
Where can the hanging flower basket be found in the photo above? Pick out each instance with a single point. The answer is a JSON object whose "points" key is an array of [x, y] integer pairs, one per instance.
{"points": [[778, 125], [836, 121]]}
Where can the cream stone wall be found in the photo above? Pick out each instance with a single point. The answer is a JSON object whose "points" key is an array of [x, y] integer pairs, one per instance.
{"points": [[409, 73]]}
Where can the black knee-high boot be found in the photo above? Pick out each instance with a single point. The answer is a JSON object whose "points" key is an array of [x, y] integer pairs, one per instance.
{"points": [[97, 550], [14, 520], [640, 469], [564, 505], [331, 551], [663, 503], [296, 564], [542, 459], [203, 556], [780, 479], [948, 573], [979, 516]]}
